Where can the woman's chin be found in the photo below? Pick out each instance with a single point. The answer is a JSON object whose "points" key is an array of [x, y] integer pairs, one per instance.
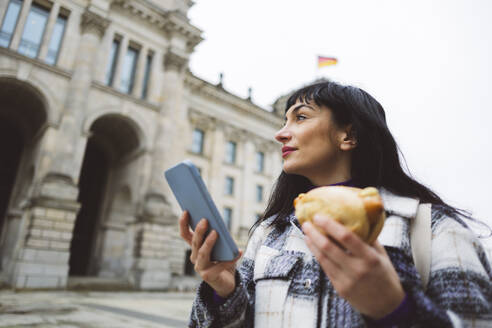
{"points": [[290, 169]]}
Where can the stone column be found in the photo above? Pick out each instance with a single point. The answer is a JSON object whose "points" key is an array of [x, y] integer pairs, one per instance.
{"points": [[49, 31], [3, 7], [172, 122], [140, 73], [248, 199], [42, 258], [156, 76], [21, 21], [71, 145], [157, 220], [216, 176], [273, 160], [103, 59], [119, 64]]}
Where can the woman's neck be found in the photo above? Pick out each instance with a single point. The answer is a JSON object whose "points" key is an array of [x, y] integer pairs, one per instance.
{"points": [[327, 180]]}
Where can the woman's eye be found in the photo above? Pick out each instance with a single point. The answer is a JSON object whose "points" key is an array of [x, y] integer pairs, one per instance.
{"points": [[300, 117]]}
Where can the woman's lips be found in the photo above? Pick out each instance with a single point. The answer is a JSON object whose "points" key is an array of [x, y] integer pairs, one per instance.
{"points": [[287, 152]]}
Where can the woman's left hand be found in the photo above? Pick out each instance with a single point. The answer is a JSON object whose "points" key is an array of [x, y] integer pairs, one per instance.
{"points": [[360, 273]]}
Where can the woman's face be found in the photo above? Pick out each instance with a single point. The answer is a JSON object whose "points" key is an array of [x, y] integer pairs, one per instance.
{"points": [[312, 142]]}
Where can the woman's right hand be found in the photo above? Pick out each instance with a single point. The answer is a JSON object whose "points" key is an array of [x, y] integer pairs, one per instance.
{"points": [[219, 275]]}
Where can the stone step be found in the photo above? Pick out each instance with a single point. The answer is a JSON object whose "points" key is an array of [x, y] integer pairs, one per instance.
{"points": [[98, 283]]}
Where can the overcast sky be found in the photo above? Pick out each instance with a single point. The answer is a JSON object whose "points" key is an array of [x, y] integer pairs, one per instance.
{"points": [[427, 62]]}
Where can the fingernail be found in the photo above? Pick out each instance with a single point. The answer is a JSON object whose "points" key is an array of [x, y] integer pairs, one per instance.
{"points": [[318, 219]]}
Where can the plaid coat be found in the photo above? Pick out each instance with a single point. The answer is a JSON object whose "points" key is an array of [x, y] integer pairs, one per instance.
{"points": [[280, 283]]}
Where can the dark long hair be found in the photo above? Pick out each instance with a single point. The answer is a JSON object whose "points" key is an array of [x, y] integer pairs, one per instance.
{"points": [[375, 160]]}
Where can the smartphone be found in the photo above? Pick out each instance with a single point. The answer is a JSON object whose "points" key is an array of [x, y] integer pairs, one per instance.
{"points": [[192, 195]]}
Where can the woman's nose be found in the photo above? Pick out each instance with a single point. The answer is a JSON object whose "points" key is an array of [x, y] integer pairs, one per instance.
{"points": [[283, 135]]}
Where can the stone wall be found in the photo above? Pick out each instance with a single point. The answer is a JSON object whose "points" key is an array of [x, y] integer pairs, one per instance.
{"points": [[43, 260], [136, 236]]}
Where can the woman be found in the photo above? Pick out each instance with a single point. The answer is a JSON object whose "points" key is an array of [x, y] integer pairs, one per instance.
{"points": [[293, 276]]}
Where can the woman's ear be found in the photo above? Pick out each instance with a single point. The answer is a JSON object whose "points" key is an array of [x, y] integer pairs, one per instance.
{"points": [[348, 138]]}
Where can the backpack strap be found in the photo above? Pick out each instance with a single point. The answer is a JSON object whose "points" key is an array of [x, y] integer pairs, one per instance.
{"points": [[420, 242]]}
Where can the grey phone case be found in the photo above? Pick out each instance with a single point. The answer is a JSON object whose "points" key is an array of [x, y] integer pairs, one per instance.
{"points": [[192, 195]]}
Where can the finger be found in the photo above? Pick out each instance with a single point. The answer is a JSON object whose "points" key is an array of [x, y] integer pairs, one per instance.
{"points": [[199, 234], [329, 267], [197, 240], [203, 256], [326, 246], [342, 235], [184, 227]]}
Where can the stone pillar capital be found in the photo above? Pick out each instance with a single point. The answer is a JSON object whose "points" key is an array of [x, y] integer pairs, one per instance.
{"points": [[156, 208], [201, 121], [175, 59], [94, 22], [233, 133]]}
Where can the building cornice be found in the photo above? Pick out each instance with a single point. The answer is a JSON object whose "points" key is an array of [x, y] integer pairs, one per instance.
{"points": [[36, 62], [206, 122], [202, 87], [177, 24], [99, 86], [170, 22]]}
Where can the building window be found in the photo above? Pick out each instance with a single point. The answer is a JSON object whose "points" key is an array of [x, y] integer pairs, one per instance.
{"points": [[228, 217], [231, 152], [148, 65], [56, 40], [197, 143], [259, 193], [229, 186], [260, 161], [33, 31], [9, 22], [128, 70]]}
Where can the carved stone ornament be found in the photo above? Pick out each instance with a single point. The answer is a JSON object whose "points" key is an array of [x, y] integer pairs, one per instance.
{"points": [[57, 186], [94, 22], [201, 121], [260, 143], [157, 209], [175, 59], [233, 133]]}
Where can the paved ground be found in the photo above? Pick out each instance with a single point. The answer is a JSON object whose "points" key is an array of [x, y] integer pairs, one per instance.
{"points": [[94, 309]]}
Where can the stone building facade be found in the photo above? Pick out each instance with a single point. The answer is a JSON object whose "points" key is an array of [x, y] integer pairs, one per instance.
{"points": [[96, 101]]}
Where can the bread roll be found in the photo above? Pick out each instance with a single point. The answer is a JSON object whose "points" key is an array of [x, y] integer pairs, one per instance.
{"points": [[360, 210]]}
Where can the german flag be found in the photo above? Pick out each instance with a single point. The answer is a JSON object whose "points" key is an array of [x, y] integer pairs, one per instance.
{"points": [[326, 61]]}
